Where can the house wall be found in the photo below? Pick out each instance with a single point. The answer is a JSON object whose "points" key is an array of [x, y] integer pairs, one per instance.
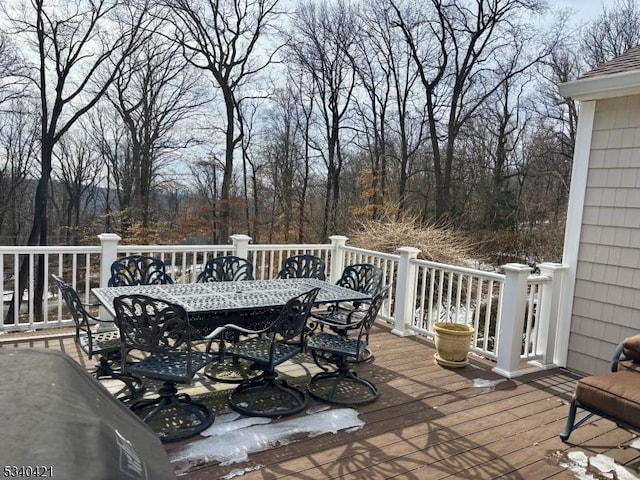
{"points": [[606, 304]]}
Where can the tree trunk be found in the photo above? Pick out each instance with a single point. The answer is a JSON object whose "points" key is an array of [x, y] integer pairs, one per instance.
{"points": [[227, 178], [38, 236]]}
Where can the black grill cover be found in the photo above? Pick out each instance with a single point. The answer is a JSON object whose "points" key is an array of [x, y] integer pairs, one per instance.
{"points": [[55, 415]]}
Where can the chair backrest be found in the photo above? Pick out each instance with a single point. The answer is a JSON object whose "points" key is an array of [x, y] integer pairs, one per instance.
{"points": [[226, 269], [292, 319], [303, 266], [361, 277], [138, 270], [154, 326], [372, 312], [81, 318]]}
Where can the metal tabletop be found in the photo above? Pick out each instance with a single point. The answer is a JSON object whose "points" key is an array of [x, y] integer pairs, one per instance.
{"points": [[232, 297]]}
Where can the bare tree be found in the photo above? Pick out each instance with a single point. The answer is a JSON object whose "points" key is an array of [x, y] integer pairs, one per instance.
{"points": [[457, 46], [376, 76], [19, 150], [251, 166], [154, 94], [324, 47], [12, 82], [77, 50], [284, 159], [18, 141], [552, 141], [614, 31], [390, 78], [498, 134], [222, 37], [207, 175], [110, 140], [77, 174]]}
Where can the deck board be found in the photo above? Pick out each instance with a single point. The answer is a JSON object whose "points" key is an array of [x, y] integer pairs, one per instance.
{"points": [[429, 423]]}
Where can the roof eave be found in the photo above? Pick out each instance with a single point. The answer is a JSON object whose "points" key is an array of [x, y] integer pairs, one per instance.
{"points": [[601, 87]]}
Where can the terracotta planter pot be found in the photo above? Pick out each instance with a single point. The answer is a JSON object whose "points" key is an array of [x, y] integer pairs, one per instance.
{"points": [[453, 341]]}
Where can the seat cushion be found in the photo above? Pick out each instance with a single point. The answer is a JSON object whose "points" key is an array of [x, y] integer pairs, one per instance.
{"points": [[616, 394], [629, 365]]}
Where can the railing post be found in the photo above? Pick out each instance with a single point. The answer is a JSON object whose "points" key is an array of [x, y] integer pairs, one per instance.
{"points": [[109, 254], [549, 305], [109, 244], [240, 243], [511, 324], [338, 243], [405, 291]]}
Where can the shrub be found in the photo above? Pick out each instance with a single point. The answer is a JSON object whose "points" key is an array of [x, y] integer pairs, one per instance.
{"points": [[442, 245]]}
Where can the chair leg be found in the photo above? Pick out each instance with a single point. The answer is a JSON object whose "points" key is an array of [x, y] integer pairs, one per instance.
{"points": [[267, 397], [229, 368], [200, 415], [365, 357], [564, 436], [133, 385], [571, 420], [327, 387]]}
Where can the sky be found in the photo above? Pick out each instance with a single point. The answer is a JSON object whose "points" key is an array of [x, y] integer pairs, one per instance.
{"points": [[586, 10]]}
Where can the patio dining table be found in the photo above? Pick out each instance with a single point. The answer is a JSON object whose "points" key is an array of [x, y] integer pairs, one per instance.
{"points": [[251, 304], [214, 304]]}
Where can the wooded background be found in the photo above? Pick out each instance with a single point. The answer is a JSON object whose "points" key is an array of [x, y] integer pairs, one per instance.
{"points": [[177, 121]]}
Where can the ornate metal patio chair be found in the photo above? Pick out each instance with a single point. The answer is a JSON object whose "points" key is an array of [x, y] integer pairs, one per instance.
{"points": [[303, 266], [267, 395], [361, 277], [163, 332], [342, 385], [138, 270], [105, 343], [226, 269]]}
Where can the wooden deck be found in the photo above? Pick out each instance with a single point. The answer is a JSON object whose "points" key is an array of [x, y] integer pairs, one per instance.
{"points": [[429, 423]]}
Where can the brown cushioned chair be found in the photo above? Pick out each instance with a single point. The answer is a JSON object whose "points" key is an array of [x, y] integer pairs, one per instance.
{"points": [[614, 395]]}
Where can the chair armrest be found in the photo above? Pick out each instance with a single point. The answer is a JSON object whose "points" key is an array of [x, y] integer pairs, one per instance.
{"points": [[341, 307], [229, 326], [96, 320], [353, 320], [232, 326], [618, 356]]}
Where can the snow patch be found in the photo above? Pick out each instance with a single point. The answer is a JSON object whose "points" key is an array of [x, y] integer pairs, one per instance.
{"points": [[584, 467], [487, 385], [232, 438]]}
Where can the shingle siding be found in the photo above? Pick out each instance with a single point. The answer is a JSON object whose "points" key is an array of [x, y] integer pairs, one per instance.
{"points": [[606, 302]]}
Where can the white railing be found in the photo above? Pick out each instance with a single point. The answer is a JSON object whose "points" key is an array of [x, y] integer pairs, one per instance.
{"points": [[80, 265], [182, 262], [531, 332], [267, 259], [514, 314], [388, 263], [446, 293]]}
